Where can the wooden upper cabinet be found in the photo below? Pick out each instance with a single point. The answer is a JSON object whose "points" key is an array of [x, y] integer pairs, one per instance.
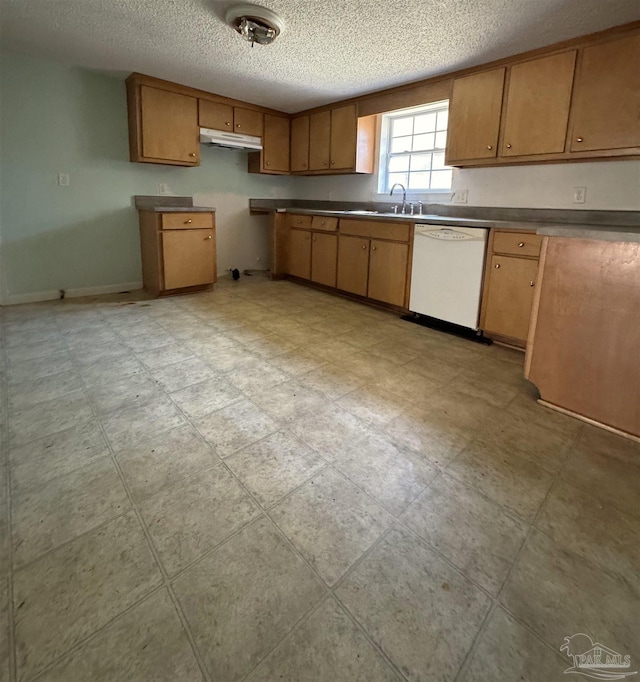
{"points": [[275, 142], [474, 116], [319, 140], [344, 138], [168, 128], [219, 116], [248, 122], [606, 101], [300, 144], [537, 105], [215, 115]]}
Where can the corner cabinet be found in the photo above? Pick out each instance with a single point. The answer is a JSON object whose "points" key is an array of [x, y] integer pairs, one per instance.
{"points": [[178, 250], [163, 126], [274, 157]]}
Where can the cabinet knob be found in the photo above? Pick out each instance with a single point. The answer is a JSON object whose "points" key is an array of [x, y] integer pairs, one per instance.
{"points": [[324, 163], [532, 284], [508, 146], [237, 125], [188, 222], [373, 248], [192, 155], [579, 139], [520, 245], [267, 163], [496, 266], [322, 222], [364, 246], [313, 239], [210, 237], [489, 146], [227, 123]]}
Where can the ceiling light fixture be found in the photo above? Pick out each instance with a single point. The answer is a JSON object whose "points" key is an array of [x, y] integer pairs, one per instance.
{"points": [[254, 23]]}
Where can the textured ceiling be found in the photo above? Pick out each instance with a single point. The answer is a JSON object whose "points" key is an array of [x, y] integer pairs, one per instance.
{"points": [[330, 50]]}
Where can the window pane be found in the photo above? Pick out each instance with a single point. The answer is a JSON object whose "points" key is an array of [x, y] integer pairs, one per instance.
{"points": [[402, 126], [443, 119], [398, 163], [420, 162], [419, 181], [425, 123], [421, 142], [401, 144], [441, 179], [441, 140], [438, 160], [397, 177]]}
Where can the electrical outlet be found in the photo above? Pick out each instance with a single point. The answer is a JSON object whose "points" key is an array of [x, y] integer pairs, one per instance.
{"points": [[163, 189], [579, 195], [63, 179], [461, 196]]}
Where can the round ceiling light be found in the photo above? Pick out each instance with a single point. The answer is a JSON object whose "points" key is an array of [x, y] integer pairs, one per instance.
{"points": [[254, 23]]}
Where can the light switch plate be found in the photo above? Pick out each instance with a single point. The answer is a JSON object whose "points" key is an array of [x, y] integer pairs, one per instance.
{"points": [[163, 189], [63, 179], [579, 195], [460, 196]]}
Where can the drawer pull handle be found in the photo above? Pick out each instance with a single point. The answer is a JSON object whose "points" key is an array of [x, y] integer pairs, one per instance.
{"points": [[520, 245], [188, 222], [532, 284], [496, 266], [579, 139]]}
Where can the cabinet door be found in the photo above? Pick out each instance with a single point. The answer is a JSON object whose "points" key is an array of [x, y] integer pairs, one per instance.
{"points": [[388, 272], [300, 144], [169, 126], [324, 258], [537, 108], [606, 102], [474, 116], [215, 115], [343, 137], [248, 122], [188, 258], [510, 296], [300, 253], [275, 152], [353, 264], [319, 140]]}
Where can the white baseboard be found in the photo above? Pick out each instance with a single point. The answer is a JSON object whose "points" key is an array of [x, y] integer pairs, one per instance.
{"points": [[39, 296]]}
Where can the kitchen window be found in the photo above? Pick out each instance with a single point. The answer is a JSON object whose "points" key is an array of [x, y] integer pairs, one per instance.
{"points": [[412, 149]]}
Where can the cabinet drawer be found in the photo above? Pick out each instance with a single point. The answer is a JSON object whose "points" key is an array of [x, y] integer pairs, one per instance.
{"points": [[377, 230], [321, 222], [302, 221], [517, 243], [186, 221]]}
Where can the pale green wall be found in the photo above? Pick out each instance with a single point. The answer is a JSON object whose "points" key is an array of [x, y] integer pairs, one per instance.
{"points": [[60, 118]]}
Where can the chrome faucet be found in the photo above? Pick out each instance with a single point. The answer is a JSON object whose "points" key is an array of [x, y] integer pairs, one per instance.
{"points": [[404, 195]]}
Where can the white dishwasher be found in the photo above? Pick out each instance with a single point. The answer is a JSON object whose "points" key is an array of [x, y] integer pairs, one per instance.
{"points": [[446, 273]]}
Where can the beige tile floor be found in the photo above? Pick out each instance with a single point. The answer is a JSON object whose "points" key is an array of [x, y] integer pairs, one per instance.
{"points": [[270, 483]]}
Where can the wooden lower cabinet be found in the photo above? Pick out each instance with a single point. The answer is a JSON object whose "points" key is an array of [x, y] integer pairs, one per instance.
{"points": [[388, 271], [300, 253], [324, 258], [509, 292], [353, 264], [177, 254], [188, 257]]}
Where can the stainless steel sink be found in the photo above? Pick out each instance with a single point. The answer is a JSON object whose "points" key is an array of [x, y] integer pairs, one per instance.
{"points": [[362, 212]]}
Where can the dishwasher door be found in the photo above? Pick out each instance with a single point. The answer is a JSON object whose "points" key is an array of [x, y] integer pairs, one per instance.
{"points": [[446, 274]]}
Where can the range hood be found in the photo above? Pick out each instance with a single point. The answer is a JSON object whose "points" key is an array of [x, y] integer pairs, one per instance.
{"points": [[221, 138]]}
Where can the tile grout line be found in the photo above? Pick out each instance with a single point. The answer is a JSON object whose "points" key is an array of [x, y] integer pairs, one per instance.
{"points": [[164, 578]]}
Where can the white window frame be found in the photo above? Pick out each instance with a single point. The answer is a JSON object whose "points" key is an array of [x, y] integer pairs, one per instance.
{"points": [[385, 142]]}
